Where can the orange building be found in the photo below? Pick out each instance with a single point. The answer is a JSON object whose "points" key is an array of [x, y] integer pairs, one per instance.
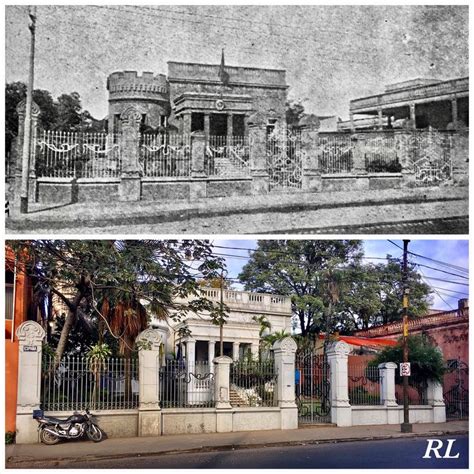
{"points": [[18, 298]]}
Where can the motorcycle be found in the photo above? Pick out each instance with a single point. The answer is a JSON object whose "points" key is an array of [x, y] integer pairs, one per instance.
{"points": [[52, 429]]}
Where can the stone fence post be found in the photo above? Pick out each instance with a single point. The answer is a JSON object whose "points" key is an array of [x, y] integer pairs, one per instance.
{"points": [[258, 159], [436, 400], [284, 352], [222, 394], [35, 113], [30, 336], [341, 411], [406, 144], [198, 170], [130, 179], [459, 148], [149, 411], [309, 150], [387, 391], [358, 162]]}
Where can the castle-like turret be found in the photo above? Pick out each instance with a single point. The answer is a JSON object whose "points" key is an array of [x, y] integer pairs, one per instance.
{"points": [[148, 93]]}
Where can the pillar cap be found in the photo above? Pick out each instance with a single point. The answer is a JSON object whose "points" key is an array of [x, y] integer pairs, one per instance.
{"points": [[222, 360], [339, 348], [149, 337], [30, 333], [287, 344], [387, 365]]}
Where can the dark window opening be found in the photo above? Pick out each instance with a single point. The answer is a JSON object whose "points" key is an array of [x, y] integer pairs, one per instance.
{"points": [[197, 122], [238, 125]]}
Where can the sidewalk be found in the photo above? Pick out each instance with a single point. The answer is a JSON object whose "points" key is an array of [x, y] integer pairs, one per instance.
{"points": [[131, 447], [105, 214]]}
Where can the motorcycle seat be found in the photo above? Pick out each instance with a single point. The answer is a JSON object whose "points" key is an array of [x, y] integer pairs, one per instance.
{"points": [[54, 420]]}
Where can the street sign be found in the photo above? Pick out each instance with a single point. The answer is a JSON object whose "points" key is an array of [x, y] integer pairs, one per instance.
{"points": [[405, 369], [30, 348]]}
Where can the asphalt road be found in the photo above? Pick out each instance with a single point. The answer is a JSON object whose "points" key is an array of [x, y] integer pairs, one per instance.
{"points": [[383, 454]]}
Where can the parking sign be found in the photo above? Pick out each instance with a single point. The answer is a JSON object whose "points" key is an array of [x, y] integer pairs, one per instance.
{"points": [[405, 369]]}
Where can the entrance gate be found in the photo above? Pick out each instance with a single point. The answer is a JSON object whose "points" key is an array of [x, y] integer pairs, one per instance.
{"points": [[313, 390], [284, 160], [456, 390]]}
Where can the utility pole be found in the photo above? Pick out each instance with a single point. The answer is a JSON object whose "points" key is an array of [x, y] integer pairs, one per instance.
{"points": [[25, 161], [406, 426]]}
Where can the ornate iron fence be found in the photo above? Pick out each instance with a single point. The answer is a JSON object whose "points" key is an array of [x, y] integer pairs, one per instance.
{"points": [[364, 385], [380, 153], [77, 383], [253, 383], [313, 387], [78, 155], [335, 152], [228, 156], [165, 155], [456, 389], [186, 384]]}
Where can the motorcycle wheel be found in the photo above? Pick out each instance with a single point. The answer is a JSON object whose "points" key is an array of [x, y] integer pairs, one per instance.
{"points": [[48, 438], [94, 433]]}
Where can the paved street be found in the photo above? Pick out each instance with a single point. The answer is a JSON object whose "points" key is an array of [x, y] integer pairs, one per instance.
{"points": [[382, 454]]}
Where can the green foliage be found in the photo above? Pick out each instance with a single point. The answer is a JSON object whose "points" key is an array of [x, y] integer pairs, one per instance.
{"points": [[426, 360], [98, 352], [273, 337], [294, 112], [47, 350], [10, 437]]}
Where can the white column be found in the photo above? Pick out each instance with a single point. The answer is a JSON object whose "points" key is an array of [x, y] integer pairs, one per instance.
{"points": [[387, 391], [413, 115], [235, 350], [149, 411], [284, 352], [211, 347], [436, 400], [30, 336], [191, 367], [341, 411], [222, 394], [254, 350]]}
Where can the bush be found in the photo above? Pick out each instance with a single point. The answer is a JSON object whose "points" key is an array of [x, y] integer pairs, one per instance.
{"points": [[426, 361], [10, 437]]}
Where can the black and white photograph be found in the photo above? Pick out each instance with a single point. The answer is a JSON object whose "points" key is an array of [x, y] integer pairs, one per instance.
{"points": [[237, 119]]}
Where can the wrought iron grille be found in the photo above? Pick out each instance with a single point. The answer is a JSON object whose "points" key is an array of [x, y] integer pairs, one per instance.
{"points": [[364, 384], [456, 389], [380, 153], [417, 393], [165, 155], [285, 159], [77, 383], [335, 153], [78, 155], [253, 383], [313, 388], [228, 156], [186, 384]]}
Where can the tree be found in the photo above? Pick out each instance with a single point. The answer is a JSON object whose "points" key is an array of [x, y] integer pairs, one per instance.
{"points": [[426, 361], [306, 270], [294, 112], [84, 274], [69, 112]]}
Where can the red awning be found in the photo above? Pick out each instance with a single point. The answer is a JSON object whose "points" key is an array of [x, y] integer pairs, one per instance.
{"points": [[365, 341]]}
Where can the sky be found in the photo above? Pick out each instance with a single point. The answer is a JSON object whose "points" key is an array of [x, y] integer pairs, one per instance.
{"points": [[445, 293], [332, 54]]}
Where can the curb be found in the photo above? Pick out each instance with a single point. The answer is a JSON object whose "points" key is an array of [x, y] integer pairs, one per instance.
{"points": [[184, 214], [10, 462]]}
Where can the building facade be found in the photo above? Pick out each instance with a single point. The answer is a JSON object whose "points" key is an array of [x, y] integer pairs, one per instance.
{"points": [[194, 98], [415, 104]]}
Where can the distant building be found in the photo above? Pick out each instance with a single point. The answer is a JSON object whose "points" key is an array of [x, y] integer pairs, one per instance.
{"points": [[214, 99], [418, 103]]}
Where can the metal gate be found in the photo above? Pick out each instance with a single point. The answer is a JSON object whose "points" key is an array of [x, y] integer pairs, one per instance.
{"points": [[284, 160], [432, 157], [313, 389], [456, 390]]}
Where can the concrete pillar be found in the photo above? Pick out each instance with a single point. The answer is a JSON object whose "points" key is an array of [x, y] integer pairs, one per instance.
{"points": [[211, 347], [30, 336], [413, 115], [254, 350], [454, 112], [358, 163], [309, 151], [206, 125], [387, 391], [186, 123], [258, 159], [191, 351], [436, 400], [235, 350], [284, 352], [230, 125], [379, 118], [130, 182], [32, 193], [198, 171], [222, 394], [149, 411], [341, 411]]}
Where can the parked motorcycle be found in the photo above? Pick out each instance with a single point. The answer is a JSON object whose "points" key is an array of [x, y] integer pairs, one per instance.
{"points": [[53, 429]]}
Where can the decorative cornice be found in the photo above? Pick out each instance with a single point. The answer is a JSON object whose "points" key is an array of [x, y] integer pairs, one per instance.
{"points": [[30, 333]]}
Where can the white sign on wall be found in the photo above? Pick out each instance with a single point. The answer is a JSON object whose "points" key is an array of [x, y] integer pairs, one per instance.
{"points": [[405, 369]]}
